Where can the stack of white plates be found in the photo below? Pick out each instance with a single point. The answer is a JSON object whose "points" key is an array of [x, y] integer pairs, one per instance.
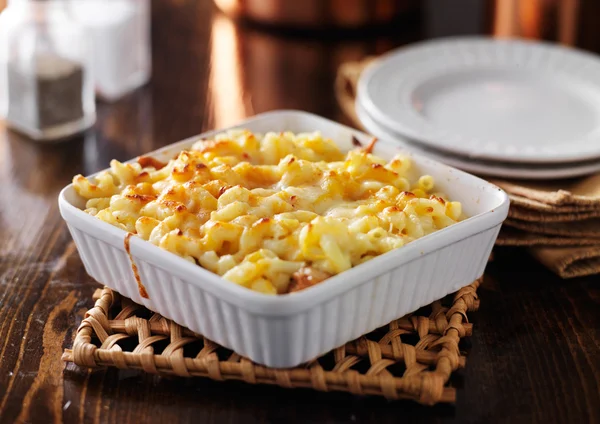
{"points": [[506, 108]]}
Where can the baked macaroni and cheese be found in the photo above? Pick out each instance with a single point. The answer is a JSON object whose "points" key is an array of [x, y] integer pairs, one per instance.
{"points": [[274, 213]]}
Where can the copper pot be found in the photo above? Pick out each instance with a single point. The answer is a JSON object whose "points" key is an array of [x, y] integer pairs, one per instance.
{"points": [[318, 13]]}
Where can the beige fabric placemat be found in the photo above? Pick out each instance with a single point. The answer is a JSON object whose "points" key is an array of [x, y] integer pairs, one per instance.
{"points": [[548, 209]]}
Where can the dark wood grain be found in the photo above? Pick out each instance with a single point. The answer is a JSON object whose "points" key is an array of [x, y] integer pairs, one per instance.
{"points": [[535, 352]]}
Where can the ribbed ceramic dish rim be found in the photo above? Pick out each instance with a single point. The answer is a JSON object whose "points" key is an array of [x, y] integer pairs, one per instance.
{"points": [[535, 171], [422, 61], [288, 304]]}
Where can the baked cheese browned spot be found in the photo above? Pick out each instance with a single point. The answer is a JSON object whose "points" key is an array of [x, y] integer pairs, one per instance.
{"points": [[307, 277], [134, 267], [147, 161], [371, 145]]}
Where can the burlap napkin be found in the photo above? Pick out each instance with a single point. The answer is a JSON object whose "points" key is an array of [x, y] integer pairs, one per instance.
{"points": [[558, 221], [579, 193], [569, 262], [525, 214], [510, 236], [589, 228], [536, 205]]}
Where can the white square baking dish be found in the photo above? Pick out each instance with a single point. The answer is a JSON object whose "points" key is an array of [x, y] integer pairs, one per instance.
{"points": [[287, 330]]}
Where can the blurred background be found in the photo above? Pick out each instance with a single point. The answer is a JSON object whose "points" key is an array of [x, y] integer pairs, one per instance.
{"points": [[214, 63]]}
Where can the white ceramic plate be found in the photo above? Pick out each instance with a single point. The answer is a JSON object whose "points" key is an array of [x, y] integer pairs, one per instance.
{"points": [[481, 167], [503, 100]]}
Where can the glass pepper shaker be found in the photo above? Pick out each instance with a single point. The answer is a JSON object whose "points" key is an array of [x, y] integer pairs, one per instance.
{"points": [[120, 32], [46, 86]]}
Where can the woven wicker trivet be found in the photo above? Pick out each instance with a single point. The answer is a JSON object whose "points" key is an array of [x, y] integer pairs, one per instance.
{"points": [[410, 358]]}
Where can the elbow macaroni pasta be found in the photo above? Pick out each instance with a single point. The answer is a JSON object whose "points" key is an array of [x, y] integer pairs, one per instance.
{"points": [[273, 213]]}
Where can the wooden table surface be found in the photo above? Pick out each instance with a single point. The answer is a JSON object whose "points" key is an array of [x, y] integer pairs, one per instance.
{"points": [[535, 352]]}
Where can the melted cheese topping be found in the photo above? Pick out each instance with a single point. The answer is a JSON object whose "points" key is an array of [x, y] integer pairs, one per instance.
{"points": [[274, 213]]}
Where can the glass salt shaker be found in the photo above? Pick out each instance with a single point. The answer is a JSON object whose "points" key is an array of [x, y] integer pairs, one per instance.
{"points": [[120, 32], [46, 86]]}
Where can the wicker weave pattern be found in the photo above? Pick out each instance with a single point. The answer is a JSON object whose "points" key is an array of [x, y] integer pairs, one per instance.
{"points": [[380, 363]]}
